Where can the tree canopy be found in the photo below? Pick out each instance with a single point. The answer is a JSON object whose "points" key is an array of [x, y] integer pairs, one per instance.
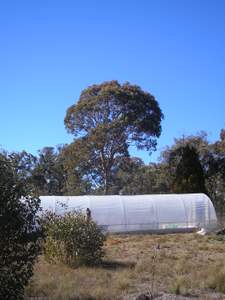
{"points": [[188, 175], [110, 117]]}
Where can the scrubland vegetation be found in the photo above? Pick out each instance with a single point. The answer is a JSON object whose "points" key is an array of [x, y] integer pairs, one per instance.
{"points": [[180, 264]]}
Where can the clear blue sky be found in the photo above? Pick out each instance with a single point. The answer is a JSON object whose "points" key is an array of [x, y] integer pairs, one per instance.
{"points": [[51, 50]]}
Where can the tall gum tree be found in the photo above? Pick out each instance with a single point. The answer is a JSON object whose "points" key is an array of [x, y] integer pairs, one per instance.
{"points": [[108, 118]]}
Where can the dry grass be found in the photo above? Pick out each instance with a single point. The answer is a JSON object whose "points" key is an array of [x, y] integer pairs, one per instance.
{"points": [[181, 264]]}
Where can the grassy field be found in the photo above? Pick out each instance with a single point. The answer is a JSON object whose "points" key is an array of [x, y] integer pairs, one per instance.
{"points": [[164, 265]]}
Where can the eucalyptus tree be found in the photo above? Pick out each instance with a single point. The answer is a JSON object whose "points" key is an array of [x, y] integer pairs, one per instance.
{"points": [[48, 176], [110, 117], [23, 164]]}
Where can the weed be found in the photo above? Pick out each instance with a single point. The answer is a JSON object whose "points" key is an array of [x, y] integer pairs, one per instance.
{"points": [[216, 280]]}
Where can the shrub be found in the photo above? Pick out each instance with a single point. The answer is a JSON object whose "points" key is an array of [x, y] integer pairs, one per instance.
{"points": [[73, 240], [19, 233]]}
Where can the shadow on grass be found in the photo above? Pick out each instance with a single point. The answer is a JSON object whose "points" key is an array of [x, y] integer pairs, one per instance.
{"points": [[113, 265]]}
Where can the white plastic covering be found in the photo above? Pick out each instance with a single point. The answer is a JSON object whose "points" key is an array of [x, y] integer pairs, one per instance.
{"points": [[171, 212]]}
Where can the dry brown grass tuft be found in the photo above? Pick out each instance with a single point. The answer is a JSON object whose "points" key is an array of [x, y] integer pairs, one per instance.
{"points": [[182, 264]]}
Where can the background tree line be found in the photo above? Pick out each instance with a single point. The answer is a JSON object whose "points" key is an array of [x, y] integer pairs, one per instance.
{"points": [[192, 164]]}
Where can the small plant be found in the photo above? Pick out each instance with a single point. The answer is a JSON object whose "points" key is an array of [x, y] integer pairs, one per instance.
{"points": [[181, 285], [123, 284], [176, 287], [153, 272], [72, 239], [217, 280]]}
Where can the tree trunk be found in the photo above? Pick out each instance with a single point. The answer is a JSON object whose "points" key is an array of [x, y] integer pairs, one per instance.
{"points": [[105, 173], [106, 182]]}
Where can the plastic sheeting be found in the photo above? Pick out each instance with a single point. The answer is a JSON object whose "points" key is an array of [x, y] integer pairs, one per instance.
{"points": [[171, 212]]}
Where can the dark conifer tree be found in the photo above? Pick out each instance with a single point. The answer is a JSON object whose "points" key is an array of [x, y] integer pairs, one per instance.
{"points": [[189, 174]]}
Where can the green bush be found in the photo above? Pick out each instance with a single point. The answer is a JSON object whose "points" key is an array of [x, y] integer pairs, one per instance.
{"points": [[73, 240], [19, 233]]}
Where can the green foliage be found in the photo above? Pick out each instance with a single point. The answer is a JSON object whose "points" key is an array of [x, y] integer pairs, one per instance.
{"points": [[48, 175], [212, 159], [222, 135], [107, 119], [19, 232], [73, 240], [44, 174], [189, 175], [133, 177], [78, 174], [23, 164]]}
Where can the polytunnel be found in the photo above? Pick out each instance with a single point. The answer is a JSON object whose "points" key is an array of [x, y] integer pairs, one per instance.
{"points": [[140, 213]]}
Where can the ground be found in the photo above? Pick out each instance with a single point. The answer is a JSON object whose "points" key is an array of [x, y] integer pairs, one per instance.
{"points": [[175, 266]]}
